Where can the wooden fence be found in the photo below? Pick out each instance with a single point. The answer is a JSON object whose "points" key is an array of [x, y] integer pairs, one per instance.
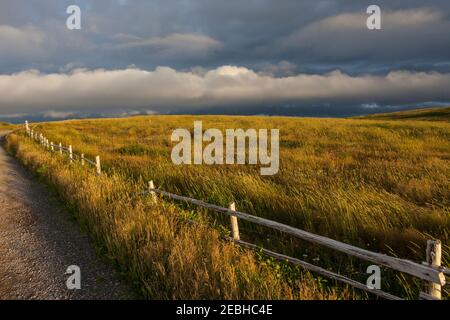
{"points": [[49, 145], [430, 271]]}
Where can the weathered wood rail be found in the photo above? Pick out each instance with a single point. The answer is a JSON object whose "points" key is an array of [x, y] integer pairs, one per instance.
{"points": [[62, 149], [430, 271], [433, 274]]}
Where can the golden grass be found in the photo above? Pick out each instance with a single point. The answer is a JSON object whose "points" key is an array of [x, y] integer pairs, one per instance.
{"points": [[165, 257], [426, 114], [5, 126], [381, 185]]}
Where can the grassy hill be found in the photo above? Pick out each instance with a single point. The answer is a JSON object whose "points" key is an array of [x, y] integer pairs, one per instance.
{"points": [[5, 126], [381, 185], [427, 114]]}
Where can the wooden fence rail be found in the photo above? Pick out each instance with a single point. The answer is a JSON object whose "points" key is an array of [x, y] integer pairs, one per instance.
{"points": [[316, 269], [62, 149], [430, 271], [432, 274]]}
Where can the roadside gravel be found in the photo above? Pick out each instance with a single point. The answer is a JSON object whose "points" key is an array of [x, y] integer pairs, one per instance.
{"points": [[38, 241]]}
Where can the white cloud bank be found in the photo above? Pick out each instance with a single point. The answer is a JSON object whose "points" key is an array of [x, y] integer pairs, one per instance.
{"points": [[166, 88]]}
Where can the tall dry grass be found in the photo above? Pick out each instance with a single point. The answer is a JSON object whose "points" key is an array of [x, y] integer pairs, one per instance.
{"points": [[342, 178], [5, 126], [381, 185], [165, 257]]}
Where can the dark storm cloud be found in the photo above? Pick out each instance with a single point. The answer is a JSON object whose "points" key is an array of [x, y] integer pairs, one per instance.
{"points": [[270, 38], [309, 34]]}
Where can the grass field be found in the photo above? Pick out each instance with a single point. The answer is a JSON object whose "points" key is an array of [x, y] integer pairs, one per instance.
{"points": [[378, 184], [427, 114], [5, 126]]}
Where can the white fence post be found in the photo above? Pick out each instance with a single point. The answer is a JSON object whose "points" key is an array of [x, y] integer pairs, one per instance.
{"points": [[234, 223], [151, 187], [82, 159], [60, 148], [52, 147], [98, 166], [70, 153], [47, 143], [434, 259], [27, 127]]}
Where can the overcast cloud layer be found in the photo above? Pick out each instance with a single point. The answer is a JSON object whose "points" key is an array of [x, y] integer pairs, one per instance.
{"points": [[200, 55], [228, 85]]}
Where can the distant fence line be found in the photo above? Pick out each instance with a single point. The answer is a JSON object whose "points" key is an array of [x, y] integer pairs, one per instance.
{"points": [[431, 271], [49, 145]]}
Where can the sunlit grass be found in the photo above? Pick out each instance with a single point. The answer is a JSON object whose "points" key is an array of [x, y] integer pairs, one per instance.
{"points": [[426, 114], [5, 126], [381, 185], [152, 245]]}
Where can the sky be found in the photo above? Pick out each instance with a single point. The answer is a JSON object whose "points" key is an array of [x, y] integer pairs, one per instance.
{"points": [[287, 57]]}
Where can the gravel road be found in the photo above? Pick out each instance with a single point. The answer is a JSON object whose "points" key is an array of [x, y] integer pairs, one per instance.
{"points": [[38, 242]]}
